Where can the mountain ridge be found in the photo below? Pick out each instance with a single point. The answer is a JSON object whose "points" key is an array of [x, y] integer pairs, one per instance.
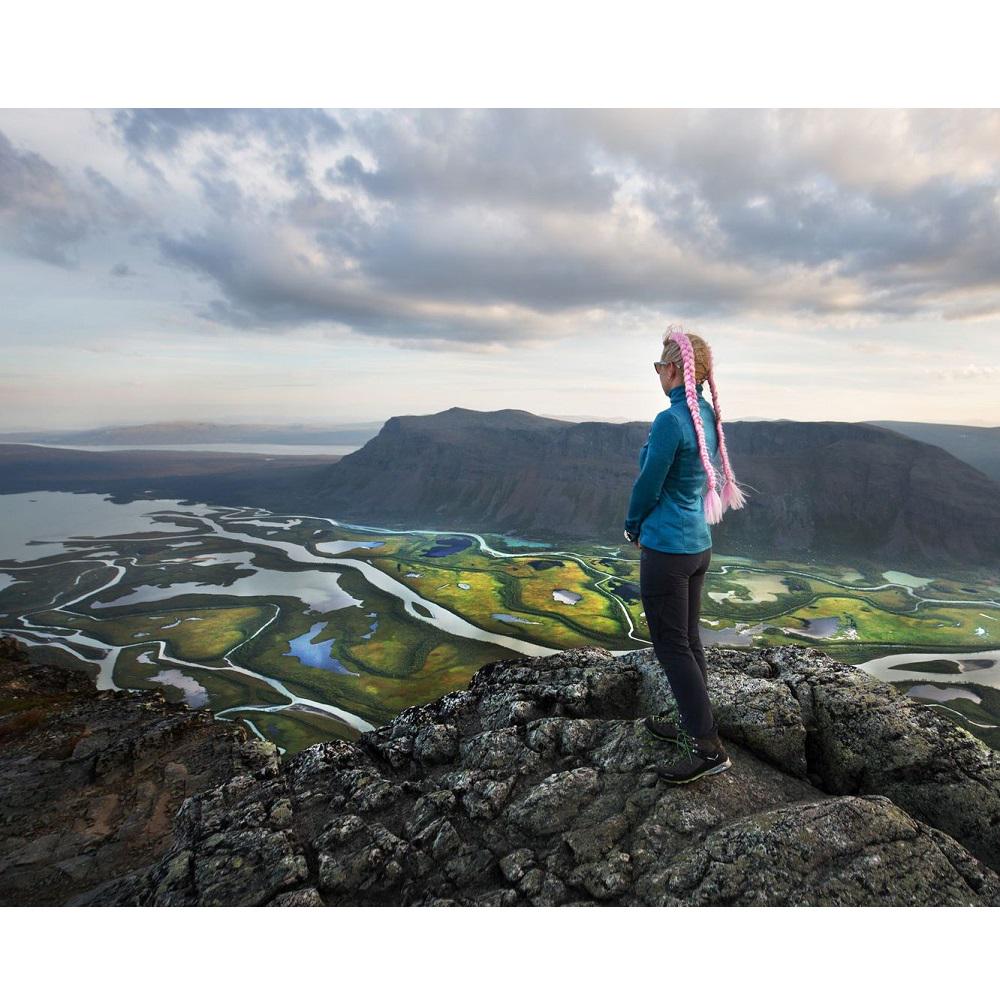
{"points": [[201, 432], [974, 445]]}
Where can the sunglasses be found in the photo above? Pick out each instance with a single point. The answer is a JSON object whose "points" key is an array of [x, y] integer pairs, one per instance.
{"points": [[657, 365]]}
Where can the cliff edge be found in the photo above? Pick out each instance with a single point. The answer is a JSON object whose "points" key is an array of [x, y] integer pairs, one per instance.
{"points": [[532, 786]]}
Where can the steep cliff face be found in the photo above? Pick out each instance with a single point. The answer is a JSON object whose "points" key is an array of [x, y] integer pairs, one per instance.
{"points": [[534, 786]]}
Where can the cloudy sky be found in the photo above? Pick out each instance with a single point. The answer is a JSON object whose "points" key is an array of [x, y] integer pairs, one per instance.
{"points": [[333, 266]]}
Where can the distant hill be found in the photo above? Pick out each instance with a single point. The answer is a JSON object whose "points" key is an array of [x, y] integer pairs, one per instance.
{"points": [[127, 473], [201, 432], [977, 446]]}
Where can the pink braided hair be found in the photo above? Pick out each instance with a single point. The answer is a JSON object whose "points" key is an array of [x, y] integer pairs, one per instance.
{"points": [[732, 496]]}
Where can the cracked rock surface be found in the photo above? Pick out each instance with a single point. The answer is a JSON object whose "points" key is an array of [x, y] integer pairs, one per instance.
{"points": [[535, 786]]}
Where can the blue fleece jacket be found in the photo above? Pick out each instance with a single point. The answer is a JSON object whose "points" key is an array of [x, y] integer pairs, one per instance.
{"points": [[667, 503]]}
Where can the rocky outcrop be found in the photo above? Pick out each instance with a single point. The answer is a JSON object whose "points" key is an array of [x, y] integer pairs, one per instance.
{"points": [[92, 781], [535, 787], [850, 734]]}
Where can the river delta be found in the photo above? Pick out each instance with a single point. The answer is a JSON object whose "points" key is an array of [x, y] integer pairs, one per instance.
{"points": [[307, 628]]}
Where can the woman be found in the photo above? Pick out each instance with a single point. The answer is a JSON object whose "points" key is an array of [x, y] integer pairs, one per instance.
{"points": [[668, 519]]}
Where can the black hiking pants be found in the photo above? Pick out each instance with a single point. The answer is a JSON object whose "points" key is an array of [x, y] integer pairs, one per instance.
{"points": [[670, 585]]}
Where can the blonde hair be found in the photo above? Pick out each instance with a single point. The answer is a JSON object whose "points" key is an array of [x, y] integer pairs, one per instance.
{"points": [[693, 357], [702, 353]]}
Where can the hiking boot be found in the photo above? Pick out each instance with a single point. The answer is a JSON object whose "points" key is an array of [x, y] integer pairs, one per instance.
{"points": [[663, 727], [700, 757]]}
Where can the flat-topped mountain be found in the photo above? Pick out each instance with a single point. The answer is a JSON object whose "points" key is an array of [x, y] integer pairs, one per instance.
{"points": [[817, 490], [534, 786]]}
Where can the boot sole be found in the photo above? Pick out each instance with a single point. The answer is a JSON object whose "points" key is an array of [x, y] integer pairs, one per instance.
{"points": [[718, 769]]}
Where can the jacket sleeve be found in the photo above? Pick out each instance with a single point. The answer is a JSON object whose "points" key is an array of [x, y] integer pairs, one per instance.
{"points": [[658, 454]]}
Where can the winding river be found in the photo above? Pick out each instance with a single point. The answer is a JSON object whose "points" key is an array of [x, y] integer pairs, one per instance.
{"points": [[28, 526]]}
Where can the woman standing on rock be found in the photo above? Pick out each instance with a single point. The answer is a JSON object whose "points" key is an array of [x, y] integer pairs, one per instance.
{"points": [[673, 502]]}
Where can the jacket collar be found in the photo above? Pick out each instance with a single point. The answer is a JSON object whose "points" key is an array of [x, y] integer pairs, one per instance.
{"points": [[677, 394]]}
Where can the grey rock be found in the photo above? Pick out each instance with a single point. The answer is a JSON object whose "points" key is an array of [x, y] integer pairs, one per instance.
{"points": [[93, 780], [852, 734], [536, 786]]}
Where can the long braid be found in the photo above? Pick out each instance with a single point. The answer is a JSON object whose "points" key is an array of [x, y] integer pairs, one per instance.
{"points": [[732, 496], [713, 502]]}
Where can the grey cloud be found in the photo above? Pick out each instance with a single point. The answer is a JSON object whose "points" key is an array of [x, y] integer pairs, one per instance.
{"points": [[261, 291], [472, 295], [538, 270], [516, 210], [222, 193], [781, 189], [156, 136], [109, 201], [522, 157], [163, 130], [476, 227], [39, 215], [47, 216], [905, 250]]}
